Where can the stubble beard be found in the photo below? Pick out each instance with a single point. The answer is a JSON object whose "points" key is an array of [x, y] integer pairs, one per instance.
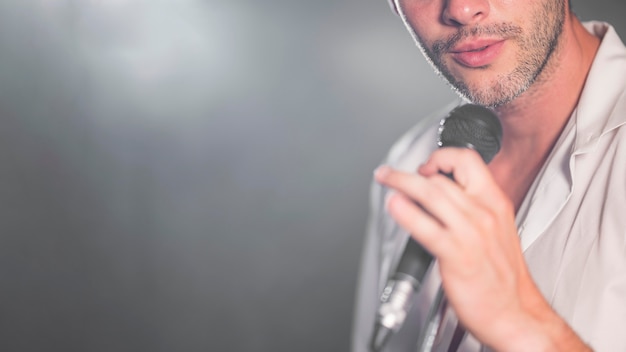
{"points": [[535, 51]]}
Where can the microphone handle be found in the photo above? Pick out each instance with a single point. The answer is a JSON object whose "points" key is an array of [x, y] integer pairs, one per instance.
{"points": [[415, 261], [397, 296]]}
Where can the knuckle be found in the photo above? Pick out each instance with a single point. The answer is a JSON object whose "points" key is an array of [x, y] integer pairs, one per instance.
{"points": [[434, 189], [487, 221]]}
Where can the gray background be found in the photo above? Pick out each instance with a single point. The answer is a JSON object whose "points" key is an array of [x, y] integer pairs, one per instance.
{"points": [[192, 175]]}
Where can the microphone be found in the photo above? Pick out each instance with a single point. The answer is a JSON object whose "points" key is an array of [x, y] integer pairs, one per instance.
{"points": [[467, 126]]}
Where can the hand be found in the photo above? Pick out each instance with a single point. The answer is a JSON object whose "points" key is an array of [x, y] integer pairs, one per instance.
{"points": [[469, 226]]}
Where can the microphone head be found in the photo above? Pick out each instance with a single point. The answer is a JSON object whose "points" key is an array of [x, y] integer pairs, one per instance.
{"points": [[472, 126]]}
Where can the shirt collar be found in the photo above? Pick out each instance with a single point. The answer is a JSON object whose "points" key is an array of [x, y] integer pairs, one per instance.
{"points": [[595, 115], [600, 97]]}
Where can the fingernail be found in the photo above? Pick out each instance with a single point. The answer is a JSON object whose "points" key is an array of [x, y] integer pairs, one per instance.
{"points": [[381, 172]]}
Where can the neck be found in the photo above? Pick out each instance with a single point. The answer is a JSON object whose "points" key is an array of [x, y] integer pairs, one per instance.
{"points": [[533, 121]]}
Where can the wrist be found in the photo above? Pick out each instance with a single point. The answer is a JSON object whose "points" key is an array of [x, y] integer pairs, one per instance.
{"points": [[537, 327]]}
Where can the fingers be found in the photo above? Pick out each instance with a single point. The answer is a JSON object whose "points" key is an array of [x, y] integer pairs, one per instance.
{"points": [[437, 210], [424, 190], [437, 194], [428, 208], [466, 165], [417, 221], [471, 174]]}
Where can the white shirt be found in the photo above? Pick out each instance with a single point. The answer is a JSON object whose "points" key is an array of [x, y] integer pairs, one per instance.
{"points": [[572, 222]]}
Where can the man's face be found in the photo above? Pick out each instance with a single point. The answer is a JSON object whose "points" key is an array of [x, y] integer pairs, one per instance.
{"points": [[490, 51]]}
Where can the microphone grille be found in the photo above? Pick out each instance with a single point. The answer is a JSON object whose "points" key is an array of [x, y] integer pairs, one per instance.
{"points": [[472, 126]]}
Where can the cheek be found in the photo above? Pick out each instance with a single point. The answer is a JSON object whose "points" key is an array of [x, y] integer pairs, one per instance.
{"points": [[424, 18]]}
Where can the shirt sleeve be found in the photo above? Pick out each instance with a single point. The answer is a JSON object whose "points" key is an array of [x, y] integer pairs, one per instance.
{"points": [[366, 299]]}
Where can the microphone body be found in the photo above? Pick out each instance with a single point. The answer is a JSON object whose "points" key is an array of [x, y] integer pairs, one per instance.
{"points": [[467, 126]]}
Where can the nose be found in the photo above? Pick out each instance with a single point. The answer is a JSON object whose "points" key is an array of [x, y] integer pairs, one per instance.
{"points": [[465, 12]]}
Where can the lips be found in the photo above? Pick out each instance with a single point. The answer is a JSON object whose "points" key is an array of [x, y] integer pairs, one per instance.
{"points": [[478, 53]]}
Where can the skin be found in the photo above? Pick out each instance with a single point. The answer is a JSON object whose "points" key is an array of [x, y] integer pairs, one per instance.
{"points": [[469, 225]]}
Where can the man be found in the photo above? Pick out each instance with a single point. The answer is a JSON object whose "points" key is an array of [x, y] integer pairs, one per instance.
{"points": [[531, 249]]}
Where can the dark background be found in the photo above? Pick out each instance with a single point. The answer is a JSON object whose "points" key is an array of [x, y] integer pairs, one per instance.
{"points": [[192, 175]]}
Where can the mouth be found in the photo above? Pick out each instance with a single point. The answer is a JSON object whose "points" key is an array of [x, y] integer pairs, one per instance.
{"points": [[478, 53], [477, 49]]}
